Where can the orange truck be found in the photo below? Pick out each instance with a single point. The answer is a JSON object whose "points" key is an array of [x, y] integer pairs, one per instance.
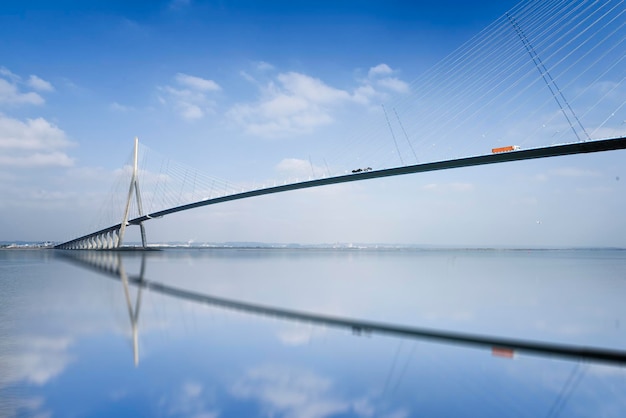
{"points": [[505, 149]]}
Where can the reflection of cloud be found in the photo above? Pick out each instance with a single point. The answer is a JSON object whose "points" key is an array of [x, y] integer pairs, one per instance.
{"points": [[581, 381], [293, 393], [34, 360], [604, 370], [190, 401], [18, 407], [298, 334]]}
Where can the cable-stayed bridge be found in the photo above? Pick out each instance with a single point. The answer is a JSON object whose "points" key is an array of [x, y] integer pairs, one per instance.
{"points": [[548, 78]]}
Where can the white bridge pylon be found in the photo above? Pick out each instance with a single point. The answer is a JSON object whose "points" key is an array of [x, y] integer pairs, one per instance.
{"points": [[113, 237], [134, 184]]}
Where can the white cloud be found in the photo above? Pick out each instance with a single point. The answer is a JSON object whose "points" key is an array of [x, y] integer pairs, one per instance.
{"points": [[299, 168], [120, 107], [56, 159], [39, 84], [11, 94], [364, 94], [190, 111], [380, 76], [311, 89], [190, 99], [197, 83], [258, 68], [34, 134], [395, 84], [264, 66], [378, 70], [247, 76], [295, 104], [6, 73], [33, 143]]}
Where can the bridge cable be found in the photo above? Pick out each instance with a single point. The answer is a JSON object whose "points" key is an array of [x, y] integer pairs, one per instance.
{"points": [[406, 136], [392, 134], [539, 64]]}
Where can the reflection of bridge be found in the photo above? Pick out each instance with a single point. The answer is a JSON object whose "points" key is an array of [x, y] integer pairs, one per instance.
{"points": [[541, 74], [110, 264]]}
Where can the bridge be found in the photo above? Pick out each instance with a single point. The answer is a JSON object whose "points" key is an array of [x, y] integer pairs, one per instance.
{"points": [[111, 237], [550, 74]]}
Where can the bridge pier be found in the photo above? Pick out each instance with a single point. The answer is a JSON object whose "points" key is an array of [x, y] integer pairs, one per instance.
{"points": [[105, 240]]}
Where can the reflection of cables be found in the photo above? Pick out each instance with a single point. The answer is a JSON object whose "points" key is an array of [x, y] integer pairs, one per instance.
{"points": [[568, 388], [406, 366], [393, 366]]}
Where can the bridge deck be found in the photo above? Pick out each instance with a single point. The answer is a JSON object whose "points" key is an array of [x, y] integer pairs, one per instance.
{"points": [[519, 155]]}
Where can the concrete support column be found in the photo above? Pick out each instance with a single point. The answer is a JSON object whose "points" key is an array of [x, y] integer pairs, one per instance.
{"points": [[116, 238]]}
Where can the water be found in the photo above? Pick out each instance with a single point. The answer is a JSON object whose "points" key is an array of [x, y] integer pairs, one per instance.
{"points": [[232, 332]]}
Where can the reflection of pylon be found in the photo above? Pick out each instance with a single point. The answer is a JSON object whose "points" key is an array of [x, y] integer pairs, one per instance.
{"points": [[133, 313], [133, 185]]}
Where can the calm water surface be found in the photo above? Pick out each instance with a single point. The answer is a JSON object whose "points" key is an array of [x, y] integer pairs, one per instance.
{"points": [[309, 333]]}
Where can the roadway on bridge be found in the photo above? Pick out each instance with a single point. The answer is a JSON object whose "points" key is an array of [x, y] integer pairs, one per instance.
{"points": [[585, 147]]}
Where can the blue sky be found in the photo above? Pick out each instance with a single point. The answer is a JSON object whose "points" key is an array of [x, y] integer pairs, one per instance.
{"points": [[252, 92]]}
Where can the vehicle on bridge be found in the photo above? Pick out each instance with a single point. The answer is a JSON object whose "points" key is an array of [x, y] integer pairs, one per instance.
{"points": [[505, 149], [362, 170]]}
